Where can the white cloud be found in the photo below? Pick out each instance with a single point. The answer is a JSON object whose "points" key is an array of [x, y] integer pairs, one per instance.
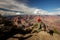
{"points": [[57, 9], [54, 13], [40, 12], [18, 13], [21, 5], [15, 5], [44, 12]]}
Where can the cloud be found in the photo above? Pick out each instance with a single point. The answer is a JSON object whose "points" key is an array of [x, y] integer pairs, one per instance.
{"points": [[40, 12], [54, 13], [44, 12], [57, 9], [22, 1], [22, 5]]}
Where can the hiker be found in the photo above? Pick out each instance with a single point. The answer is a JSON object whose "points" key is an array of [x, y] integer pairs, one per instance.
{"points": [[41, 24], [37, 25]]}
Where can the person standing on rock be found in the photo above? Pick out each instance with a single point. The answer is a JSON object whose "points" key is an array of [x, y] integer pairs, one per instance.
{"points": [[36, 25], [39, 25]]}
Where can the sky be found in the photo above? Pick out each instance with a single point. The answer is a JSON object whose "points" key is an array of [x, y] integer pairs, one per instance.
{"points": [[41, 7], [48, 5]]}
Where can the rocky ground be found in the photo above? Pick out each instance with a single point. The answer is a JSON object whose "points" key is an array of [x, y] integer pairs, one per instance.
{"points": [[40, 35], [36, 36]]}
